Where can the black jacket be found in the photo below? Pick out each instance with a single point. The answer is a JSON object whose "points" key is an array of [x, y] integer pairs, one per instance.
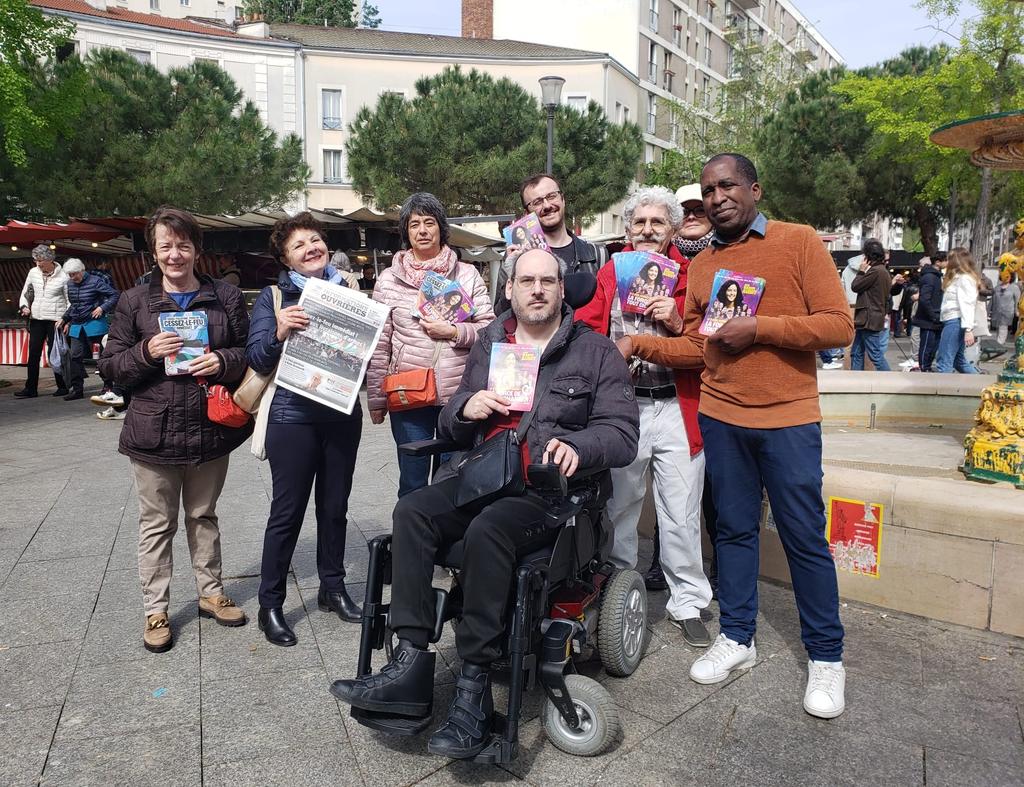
{"points": [[166, 421], [587, 257], [590, 403], [929, 299]]}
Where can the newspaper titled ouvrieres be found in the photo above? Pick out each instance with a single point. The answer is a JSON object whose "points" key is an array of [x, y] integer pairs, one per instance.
{"points": [[326, 361]]}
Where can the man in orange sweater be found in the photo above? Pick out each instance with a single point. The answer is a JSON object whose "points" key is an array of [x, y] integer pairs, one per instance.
{"points": [[760, 420]]}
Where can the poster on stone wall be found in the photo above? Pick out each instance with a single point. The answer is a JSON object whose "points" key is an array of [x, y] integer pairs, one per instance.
{"points": [[854, 533]]}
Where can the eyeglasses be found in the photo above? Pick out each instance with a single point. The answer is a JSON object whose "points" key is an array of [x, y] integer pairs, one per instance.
{"points": [[638, 224], [534, 204], [697, 212], [529, 282]]}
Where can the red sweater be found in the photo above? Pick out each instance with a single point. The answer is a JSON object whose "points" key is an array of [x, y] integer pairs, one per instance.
{"points": [[597, 314], [774, 382]]}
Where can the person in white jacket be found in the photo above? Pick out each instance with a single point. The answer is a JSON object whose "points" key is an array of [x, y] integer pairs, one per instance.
{"points": [[958, 313], [44, 299]]}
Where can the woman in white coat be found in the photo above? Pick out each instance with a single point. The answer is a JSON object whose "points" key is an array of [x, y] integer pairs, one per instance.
{"points": [[958, 313], [44, 299]]}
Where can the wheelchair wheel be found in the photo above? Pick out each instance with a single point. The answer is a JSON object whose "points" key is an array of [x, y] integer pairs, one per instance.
{"points": [[622, 623], [599, 719]]}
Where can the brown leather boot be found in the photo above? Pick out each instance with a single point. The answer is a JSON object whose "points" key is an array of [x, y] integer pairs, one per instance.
{"points": [[157, 636], [222, 609]]}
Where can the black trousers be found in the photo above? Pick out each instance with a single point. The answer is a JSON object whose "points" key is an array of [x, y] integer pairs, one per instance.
{"points": [[300, 456], [427, 520], [39, 331], [80, 347]]}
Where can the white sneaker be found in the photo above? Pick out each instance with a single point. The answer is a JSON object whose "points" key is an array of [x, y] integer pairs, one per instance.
{"points": [[832, 365], [110, 414], [826, 686], [108, 398], [722, 658]]}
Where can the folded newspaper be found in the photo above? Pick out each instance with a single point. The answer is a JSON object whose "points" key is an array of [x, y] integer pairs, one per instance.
{"points": [[326, 361]]}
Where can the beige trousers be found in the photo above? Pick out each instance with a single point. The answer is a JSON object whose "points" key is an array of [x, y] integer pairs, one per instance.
{"points": [[161, 489]]}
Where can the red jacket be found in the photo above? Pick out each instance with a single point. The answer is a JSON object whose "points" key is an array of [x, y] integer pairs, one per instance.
{"points": [[597, 314]]}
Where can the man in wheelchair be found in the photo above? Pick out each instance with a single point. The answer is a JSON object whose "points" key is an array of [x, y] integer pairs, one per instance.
{"points": [[585, 420]]}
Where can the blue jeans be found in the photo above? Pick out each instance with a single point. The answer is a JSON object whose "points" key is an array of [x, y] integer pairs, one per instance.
{"points": [[875, 343], [408, 426], [950, 354], [825, 356], [787, 463]]}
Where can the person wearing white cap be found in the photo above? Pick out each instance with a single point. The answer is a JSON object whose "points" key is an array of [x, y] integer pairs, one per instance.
{"points": [[90, 300], [695, 234]]}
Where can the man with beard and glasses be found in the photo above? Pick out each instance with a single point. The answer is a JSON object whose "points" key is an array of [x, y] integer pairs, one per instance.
{"points": [[761, 421], [670, 443], [542, 194], [587, 422]]}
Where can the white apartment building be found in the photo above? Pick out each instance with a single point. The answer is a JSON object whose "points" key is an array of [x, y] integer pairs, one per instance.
{"points": [[268, 72], [680, 50], [223, 10]]}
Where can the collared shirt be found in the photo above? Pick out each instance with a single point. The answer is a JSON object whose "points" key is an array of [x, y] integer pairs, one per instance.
{"points": [[759, 226]]}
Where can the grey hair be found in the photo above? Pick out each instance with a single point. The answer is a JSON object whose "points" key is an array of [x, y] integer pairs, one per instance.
{"points": [[341, 261], [43, 252], [654, 195], [422, 203], [73, 265]]}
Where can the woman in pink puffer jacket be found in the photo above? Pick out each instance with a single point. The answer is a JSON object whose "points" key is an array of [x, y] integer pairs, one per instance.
{"points": [[408, 343]]}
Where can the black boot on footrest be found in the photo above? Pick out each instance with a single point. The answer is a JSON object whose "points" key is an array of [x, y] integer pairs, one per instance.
{"points": [[404, 686], [468, 728]]}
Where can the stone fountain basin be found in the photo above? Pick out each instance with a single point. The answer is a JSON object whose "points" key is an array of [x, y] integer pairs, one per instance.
{"points": [[951, 549]]}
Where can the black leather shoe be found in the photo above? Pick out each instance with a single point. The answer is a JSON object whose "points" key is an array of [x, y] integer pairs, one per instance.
{"points": [[73, 395], [695, 633], [25, 393], [275, 628], [405, 685], [341, 604], [654, 579], [60, 392], [468, 727]]}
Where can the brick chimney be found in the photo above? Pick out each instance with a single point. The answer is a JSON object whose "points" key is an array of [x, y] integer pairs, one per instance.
{"points": [[477, 18]]}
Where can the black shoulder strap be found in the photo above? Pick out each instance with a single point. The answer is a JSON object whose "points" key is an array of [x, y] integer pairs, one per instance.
{"points": [[543, 379]]}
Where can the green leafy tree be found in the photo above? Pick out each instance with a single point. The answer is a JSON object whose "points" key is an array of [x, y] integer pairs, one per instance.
{"points": [[334, 13], [762, 73], [470, 139], [145, 138], [27, 37]]}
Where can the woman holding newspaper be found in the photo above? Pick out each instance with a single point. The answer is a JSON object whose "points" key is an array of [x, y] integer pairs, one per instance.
{"points": [[309, 446], [410, 342]]}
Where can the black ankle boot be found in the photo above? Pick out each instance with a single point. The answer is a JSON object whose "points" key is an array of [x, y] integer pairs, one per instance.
{"points": [[341, 604], [468, 728], [405, 685], [275, 628]]}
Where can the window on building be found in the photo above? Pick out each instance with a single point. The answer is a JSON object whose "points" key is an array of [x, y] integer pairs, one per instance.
{"points": [[648, 154], [652, 62], [154, 5], [677, 27], [625, 114], [334, 166], [652, 112], [211, 60], [707, 47], [652, 19], [185, 3], [140, 54], [330, 101], [618, 111], [666, 82], [709, 11], [707, 92], [66, 50], [673, 127], [577, 101]]}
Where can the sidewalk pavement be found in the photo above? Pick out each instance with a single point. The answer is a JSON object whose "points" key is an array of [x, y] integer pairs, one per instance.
{"points": [[81, 701]]}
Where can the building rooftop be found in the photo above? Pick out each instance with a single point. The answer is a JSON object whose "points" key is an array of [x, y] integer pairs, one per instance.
{"points": [[390, 42], [123, 15]]}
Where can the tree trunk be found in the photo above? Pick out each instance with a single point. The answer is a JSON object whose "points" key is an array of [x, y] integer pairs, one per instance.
{"points": [[929, 233], [981, 246]]}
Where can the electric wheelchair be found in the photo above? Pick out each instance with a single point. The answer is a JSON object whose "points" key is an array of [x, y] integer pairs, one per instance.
{"points": [[567, 600]]}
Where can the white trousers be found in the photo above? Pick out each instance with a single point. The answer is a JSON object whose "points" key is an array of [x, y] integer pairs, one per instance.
{"points": [[678, 482]]}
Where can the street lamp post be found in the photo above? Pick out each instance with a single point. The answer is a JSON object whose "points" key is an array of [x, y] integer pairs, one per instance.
{"points": [[550, 97]]}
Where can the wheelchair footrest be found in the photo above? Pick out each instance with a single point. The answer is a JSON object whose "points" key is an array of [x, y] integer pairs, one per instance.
{"points": [[498, 750], [391, 724]]}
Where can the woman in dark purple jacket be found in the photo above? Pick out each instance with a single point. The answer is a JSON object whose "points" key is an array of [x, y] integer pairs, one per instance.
{"points": [[179, 456]]}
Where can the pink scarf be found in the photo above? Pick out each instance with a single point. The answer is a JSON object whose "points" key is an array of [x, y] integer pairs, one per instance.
{"points": [[414, 271]]}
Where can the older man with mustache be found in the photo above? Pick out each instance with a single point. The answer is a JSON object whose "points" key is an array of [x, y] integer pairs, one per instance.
{"points": [[670, 442]]}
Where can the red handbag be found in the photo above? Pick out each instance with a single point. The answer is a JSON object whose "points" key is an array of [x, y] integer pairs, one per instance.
{"points": [[221, 407]]}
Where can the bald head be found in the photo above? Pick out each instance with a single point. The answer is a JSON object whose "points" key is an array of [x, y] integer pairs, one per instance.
{"points": [[534, 287]]}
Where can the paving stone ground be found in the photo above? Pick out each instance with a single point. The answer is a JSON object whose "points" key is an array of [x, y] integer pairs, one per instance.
{"points": [[82, 703]]}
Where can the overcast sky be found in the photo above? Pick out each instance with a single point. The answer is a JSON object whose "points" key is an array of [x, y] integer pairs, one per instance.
{"points": [[863, 31]]}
